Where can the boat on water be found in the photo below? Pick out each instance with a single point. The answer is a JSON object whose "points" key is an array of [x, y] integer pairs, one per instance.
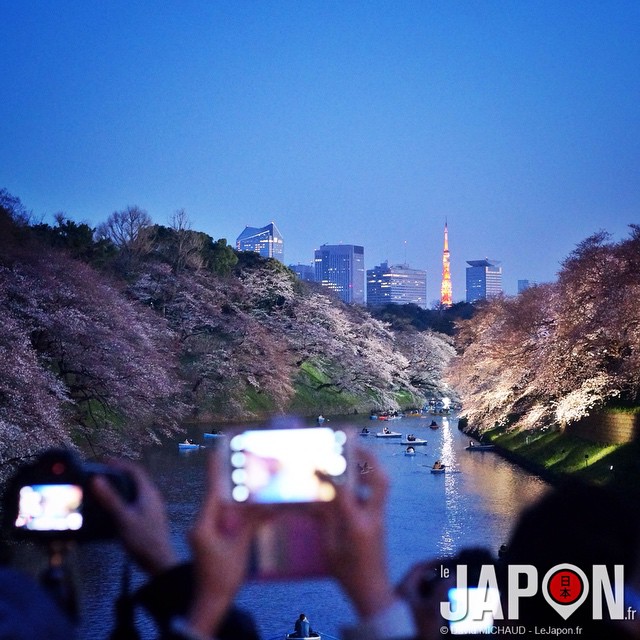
{"points": [[434, 425], [410, 451], [366, 432], [413, 442], [387, 433], [438, 467], [293, 636], [214, 434], [474, 446], [187, 446]]}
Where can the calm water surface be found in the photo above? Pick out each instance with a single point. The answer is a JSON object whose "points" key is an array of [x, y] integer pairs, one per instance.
{"points": [[474, 504]]}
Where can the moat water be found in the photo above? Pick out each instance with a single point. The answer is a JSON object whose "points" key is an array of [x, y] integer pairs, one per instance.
{"points": [[475, 503]]}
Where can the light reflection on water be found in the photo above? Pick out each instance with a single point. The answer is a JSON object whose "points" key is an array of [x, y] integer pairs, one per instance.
{"points": [[475, 503]]}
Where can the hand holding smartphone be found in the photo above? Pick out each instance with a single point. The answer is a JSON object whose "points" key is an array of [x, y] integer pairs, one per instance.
{"points": [[279, 467]]}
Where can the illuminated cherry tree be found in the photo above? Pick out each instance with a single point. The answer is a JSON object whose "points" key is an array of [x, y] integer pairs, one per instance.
{"points": [[558, 351]]}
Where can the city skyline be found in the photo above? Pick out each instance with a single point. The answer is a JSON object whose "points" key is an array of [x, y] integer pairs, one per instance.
{"points": [[369, 123]]}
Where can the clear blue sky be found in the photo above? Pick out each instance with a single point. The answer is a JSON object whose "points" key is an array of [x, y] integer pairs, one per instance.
{"points": [[358, 122]]}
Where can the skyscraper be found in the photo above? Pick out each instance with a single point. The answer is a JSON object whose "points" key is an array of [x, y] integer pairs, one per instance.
{"points": [[340, 267], [446, 294], [267, 241], [396, 284], [484, 279]]}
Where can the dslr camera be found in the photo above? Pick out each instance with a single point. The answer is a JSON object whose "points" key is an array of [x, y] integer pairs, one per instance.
{"points": [[51, 499]]}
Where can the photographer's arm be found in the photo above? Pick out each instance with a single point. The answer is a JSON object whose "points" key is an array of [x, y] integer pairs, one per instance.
{"points": [[220, 541], [355, 544], [142, 524]]}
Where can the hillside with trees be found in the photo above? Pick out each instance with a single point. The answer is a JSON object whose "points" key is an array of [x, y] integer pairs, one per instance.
{"points": [[112, 338], [557, 351]]}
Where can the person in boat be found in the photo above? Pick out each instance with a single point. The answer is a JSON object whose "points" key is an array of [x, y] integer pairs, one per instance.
{"points": [[365, 430], [302, 627], [472, 443], [433, 423], [410, 450], [364, 468], [385, 430], [411, 437], [438, 465]]}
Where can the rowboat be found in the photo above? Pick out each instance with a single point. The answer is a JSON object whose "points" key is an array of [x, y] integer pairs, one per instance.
{"points": [[415, 442], [480, 447], [388, 434], [187, 446], [439, 470]]}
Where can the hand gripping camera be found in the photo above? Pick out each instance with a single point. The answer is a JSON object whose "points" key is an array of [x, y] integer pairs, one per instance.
{"points": [[51, 499]]}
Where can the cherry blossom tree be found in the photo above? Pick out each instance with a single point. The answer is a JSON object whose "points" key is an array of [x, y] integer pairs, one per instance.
{"points": [[106, 364], [557, 351]]}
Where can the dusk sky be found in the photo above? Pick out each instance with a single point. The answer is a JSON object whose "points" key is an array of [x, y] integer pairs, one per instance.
{"points": [[366, 123]]}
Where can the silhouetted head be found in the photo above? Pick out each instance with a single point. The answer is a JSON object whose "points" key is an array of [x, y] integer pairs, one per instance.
{"points": [[578, 524]]}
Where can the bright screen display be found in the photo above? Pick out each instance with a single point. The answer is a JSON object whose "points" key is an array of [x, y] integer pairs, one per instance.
{"points": [[281, 465]]}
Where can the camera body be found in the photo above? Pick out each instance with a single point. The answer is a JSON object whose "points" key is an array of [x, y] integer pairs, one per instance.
{"points": [[51, 499]]}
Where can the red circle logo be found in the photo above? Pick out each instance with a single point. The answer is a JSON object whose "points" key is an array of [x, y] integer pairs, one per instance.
{"points": [[565, 586]]}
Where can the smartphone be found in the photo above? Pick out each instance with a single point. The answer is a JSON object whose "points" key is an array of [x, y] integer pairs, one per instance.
{"points": [[480, 606], [287, 547], [279, 466], [50, 507]]}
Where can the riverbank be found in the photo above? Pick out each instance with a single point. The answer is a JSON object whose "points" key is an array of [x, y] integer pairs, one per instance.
{"points": [[555, 455]]}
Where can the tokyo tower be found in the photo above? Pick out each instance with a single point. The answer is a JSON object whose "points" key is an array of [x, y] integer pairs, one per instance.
{"points": [[445, 288]]}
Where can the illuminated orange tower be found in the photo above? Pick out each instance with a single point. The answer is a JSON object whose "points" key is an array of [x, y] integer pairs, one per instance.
{"points": [[445, 288]]}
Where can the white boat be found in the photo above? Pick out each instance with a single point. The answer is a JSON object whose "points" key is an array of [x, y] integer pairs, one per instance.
{"points": [[480, 447], [388, 434], [187, 446], [415, 442]]}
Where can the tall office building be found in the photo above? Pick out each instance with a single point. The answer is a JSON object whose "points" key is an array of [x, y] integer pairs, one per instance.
{"points": [[446, 294], [340, 267], [396, 284], [267, 241], [484, 279]]}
